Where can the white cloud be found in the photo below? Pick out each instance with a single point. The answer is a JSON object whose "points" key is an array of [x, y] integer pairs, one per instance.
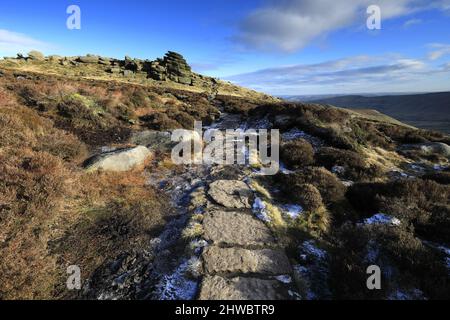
{"points": [[411, 22], [347, 74], [290, 25], [13, 42], [439, 50]]}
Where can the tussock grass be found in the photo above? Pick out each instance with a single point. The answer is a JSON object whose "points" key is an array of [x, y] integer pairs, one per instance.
{"points": [[192, 231], [260, 189]]}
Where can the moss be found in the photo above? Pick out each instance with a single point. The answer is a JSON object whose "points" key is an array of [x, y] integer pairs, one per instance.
{"points": [[192, 231], [260, 189], [314, 223], [275, 216]]}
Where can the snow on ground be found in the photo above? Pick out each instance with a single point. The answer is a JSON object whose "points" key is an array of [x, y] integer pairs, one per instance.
{"points": [[259, 209], [347, 183], [177, 286], [445, 250], [312, 250], [339, 170], [297, 134], [415, 294], [439, 167], [284, 170], [381, 218], [292, 210], [417, 167], [284, 279]]}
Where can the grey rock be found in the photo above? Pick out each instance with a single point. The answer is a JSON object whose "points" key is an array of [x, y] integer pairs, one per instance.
{"points": [[224, 228], [218, 288], [89, 59], [118, 161], [128, 73], [36, 55], [231, 194], [242, 261]]}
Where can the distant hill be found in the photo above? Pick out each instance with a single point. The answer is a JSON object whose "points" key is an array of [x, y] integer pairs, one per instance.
{"points": [[427, 111]]}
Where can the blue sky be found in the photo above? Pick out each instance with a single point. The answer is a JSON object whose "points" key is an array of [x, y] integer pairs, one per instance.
{"points": [[278, 46]]}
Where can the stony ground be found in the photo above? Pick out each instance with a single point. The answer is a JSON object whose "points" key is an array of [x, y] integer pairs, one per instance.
{"points": [[243, 257]]}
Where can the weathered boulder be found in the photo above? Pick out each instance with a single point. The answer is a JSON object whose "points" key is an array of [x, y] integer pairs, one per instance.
{"points": [[89, 59], [104, 61], [55, 58], [130, 64], [128, 73], [231, 194], [173, 67], [119, 160], [36, 55]]}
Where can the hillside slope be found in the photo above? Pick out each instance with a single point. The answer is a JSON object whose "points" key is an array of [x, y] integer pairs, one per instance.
{"points": [[354, 189], [427, 111]]}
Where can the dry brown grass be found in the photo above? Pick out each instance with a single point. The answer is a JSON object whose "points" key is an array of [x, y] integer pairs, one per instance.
{"points": [[52, 214], [33, 188]]}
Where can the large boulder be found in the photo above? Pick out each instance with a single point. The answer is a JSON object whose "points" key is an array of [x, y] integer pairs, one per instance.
{"points": [[36, 55], [89, 59], [119, 160], [173, 66]]}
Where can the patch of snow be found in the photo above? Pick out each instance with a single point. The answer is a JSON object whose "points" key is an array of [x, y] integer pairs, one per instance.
{"points": [[339, 170], [446, 251], [297, 134], [311, 249], [305, 274], [347, 183], [443, 249], [284, 170], [106, 297], [259, 209], [417, 167], [294, 295], [261, 124], [381, 218], [439, 167], [197, 245], [292, 210], [177, 286], [284, 279], [415, 294]]}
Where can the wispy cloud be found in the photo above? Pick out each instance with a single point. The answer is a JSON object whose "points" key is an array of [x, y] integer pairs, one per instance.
{"points": [[358, 71], [13, 42], [289, 25], [438, 50], [411, 22]]}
